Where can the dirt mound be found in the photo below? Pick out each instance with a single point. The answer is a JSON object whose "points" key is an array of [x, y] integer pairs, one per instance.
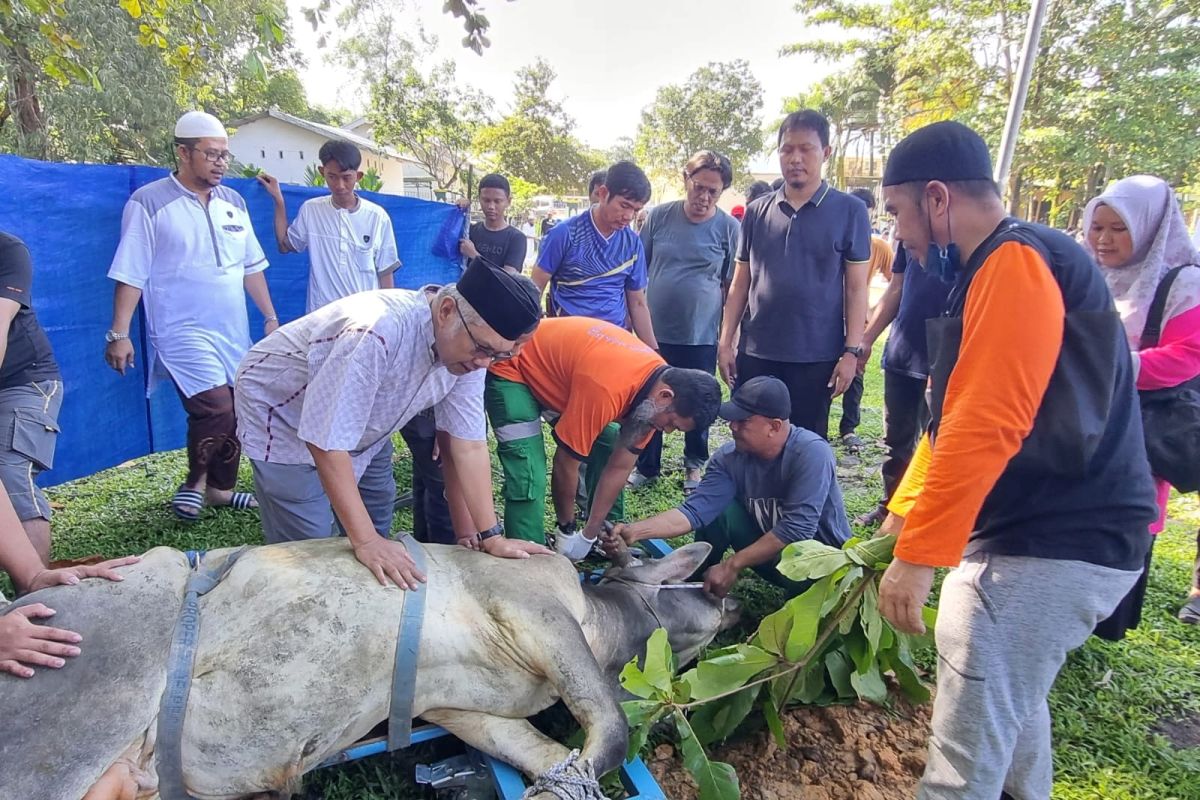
{"points": [[858, 752]]}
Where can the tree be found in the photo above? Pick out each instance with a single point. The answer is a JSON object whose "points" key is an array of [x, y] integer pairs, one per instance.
{"points": [[535, 141], [717, 108]]}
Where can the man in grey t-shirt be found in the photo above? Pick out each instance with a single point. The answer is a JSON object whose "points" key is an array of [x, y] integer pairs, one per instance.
{"points": [[689, 246], [774, 485]]}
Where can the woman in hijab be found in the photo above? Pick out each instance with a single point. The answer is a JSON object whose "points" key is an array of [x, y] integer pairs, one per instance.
{"points": [[1137, 234]]}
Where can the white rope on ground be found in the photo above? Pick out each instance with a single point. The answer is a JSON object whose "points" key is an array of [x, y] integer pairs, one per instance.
{"points": [[572, 779]]}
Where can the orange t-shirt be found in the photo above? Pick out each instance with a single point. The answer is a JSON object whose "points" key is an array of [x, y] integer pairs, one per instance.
{"points": [[589, 371], [1013, 324]]}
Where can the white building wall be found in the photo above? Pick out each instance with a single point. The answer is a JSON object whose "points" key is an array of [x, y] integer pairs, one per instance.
{"points": [[283, 150]]}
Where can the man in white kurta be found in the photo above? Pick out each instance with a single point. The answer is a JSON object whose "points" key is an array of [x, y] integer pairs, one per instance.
{"points": [[319, 399], [189, 254]]}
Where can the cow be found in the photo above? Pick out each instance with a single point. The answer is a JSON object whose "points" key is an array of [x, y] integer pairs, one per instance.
{"points": [[294, 663]]}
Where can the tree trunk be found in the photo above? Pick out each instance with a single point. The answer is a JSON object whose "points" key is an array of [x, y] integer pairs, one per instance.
{"points": [[1014, 188], [23, 102]]}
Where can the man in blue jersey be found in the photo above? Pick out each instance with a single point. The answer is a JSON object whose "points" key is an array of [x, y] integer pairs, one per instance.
{"points": [[595, 263]]}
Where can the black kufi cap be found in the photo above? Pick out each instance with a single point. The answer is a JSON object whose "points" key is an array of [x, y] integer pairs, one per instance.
{"points": [[944, 151], [509, 303]]}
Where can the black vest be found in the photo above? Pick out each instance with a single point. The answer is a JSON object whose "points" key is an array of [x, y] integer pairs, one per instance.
{"points": [[1080, 487]]}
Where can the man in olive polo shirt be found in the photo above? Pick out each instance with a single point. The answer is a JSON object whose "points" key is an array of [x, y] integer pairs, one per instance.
{"points": [[801, 274]]}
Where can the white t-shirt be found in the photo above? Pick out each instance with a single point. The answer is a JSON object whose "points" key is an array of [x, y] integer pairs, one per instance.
{"points": [[348, 250], [189, 260], [346, 377]]}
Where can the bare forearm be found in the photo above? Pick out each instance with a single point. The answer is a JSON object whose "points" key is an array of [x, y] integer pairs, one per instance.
{"points": [[281, 227], [125, 300], [468, 468], [765, 549], [885, 310], [387, 280], [735, 303], [256, 287], [671, 522], [639, 313], [856, 304], [563, 481], [336, 471], [609, 487]]}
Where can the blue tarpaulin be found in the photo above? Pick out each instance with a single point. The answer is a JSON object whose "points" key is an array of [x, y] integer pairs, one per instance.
{"points": [[70, 217]]}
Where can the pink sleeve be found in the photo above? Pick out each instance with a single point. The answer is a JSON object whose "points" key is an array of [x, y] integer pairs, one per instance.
{"points": [[1177, 357]]}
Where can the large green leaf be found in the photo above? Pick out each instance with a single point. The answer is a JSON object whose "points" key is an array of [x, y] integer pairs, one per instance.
{"points": [[869, 616], [873, 553], [727, 670], [773, 631], [870, 685], [716, 720], [774, 723], [839, 669], [811, 685], [717, 781], [806, 619], [660, 661], [642, 714], [810, 559], [633, 680]]}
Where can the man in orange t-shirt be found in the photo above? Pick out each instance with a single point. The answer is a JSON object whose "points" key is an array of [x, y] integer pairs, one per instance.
{"points": [[605, 393]]}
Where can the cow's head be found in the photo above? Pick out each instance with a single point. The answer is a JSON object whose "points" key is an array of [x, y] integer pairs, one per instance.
{"points": [[656, 591]]}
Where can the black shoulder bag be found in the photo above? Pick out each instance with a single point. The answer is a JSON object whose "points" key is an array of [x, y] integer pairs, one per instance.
{"points": [[1171, 416]]}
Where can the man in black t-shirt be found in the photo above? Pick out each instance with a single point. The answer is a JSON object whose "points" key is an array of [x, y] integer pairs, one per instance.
{"points": [[494, 238], [30, 395]]}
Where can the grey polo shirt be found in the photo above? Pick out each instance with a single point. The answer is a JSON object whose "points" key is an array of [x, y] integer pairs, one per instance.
{"points": [[797, 257]]}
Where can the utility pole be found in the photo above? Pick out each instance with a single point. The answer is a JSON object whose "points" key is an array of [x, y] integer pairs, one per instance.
{"points": [[1016, 107]]}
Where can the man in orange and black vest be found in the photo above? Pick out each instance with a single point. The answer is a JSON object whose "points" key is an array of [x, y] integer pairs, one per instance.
{"points": [[1032, 480]]}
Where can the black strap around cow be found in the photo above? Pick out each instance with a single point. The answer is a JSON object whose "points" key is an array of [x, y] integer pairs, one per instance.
{"points": [[173, 705], [1154, 318], [408, 651]]}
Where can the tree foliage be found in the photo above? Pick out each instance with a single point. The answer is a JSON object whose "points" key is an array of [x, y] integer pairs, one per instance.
{"points": [[1115, 88], [828, 644], [535, 142], [717, 108]]}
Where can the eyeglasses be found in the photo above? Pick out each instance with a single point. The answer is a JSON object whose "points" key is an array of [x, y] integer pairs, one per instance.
{"points": [[213, 156], [482, 350], [705, 190]]}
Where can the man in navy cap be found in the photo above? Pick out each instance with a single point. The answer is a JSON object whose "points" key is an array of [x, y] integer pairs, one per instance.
{"points": [[319, 400], [1032, 480], [773, 485]]}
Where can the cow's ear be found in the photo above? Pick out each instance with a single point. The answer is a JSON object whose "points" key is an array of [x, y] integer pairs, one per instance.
{"points": [[678, 566]]}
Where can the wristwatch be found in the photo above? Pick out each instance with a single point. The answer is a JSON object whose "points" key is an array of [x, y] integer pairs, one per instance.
{"points": [[854, 351], [113, 336], [495, 530]]}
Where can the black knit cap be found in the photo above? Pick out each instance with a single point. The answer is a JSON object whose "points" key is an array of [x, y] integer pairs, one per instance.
{"points": [[508, 303], [944, 151]]}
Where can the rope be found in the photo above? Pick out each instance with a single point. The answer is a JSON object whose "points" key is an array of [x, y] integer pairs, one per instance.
{"points": [[572, 779]]}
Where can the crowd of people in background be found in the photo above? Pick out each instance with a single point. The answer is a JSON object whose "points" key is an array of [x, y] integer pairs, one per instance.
{"points": [[1007, 457]]}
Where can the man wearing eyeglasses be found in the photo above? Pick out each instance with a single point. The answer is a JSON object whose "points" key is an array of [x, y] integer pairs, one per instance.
{"points": [[320, 398], [189, 254], [689, 247]]}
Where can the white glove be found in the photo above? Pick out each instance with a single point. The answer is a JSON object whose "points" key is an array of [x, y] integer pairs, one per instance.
{"points": [[574, 546]]}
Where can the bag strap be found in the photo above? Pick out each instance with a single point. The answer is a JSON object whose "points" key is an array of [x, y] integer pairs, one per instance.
{"points": [[1154, 319]]}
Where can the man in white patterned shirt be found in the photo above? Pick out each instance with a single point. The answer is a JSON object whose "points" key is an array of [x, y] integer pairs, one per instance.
{"points": [[319, 399]]}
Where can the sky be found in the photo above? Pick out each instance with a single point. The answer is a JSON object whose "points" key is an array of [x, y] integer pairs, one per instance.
{"points": [[611, 56]]}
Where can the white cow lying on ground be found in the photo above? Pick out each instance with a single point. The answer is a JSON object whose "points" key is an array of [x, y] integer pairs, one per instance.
{"points": [[294, 663]]}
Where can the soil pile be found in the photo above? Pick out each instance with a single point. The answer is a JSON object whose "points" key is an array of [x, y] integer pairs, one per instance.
{"points": [[858, 752]]}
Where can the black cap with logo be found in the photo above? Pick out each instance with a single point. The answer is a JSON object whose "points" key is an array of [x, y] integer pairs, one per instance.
{"points": [[763, 396]]}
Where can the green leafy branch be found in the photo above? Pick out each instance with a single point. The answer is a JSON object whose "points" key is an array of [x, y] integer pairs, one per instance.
{"points": [[826, 645]]}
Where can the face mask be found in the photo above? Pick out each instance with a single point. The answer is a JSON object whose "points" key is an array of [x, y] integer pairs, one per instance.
{"points": [[944, 262]]}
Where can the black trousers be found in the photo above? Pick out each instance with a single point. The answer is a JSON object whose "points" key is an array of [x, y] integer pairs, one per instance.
{"points": [[905, 417], [851, 406], [431, 512], [213, 448], [695, 443], [808, 384]]}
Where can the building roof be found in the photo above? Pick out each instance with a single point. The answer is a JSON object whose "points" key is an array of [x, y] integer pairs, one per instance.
{"points": [[329, 132]]}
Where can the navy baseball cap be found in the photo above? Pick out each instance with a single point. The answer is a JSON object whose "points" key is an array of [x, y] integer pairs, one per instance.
{"points": [[764, 396]]}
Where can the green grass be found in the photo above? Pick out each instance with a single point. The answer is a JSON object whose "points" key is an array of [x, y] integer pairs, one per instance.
{"points": [[1106, 704]]}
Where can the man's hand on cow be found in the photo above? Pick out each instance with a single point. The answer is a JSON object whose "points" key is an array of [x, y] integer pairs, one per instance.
{"points": [[22, 643], [69, 576], [503, 547], [614, 544], [902, 593], [719, 579], [119, 355], [471, 542], [389, 560]]}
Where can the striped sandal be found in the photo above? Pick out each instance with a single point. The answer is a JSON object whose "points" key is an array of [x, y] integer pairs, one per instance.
{"points": [[187, 504], [242, 501]]}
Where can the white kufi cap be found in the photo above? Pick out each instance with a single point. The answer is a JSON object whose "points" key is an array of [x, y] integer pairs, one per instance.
{"points": [[199, 125]]}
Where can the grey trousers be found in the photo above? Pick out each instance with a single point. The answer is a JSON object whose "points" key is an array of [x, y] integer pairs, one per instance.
{"points": [[293, 504], [1005, 625]]}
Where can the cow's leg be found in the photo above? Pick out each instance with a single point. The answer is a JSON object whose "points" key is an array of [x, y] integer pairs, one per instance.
{"points": [[556, 647], [513, 741]]}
